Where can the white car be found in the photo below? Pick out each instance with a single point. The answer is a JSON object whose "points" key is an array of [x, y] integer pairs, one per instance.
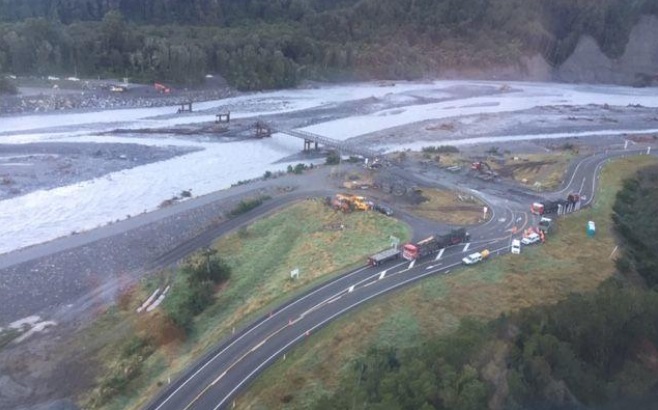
{"points": [[530, 239], [516, 246], [472, 258], [53, 78]]}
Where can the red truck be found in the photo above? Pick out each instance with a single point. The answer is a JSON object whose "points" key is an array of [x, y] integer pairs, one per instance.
{"points": [[434, 243]]}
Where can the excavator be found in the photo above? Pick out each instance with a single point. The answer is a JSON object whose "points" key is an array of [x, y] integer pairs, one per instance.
{"points": [[484, 169]]}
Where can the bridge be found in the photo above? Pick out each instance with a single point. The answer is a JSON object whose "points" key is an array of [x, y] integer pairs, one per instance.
{"points": [[342, 147]]}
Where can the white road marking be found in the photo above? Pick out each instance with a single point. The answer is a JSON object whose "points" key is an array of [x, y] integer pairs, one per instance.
{"points": [[253, 349], [214, 381], [411, 265], [438, 256], [382, 275], [466, 247], [351, 289]]}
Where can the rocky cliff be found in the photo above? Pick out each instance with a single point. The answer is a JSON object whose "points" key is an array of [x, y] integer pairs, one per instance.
{"points": [[636, 66]]}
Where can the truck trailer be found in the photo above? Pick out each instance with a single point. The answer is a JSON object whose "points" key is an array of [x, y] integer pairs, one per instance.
{"points": [[547, 207], [434, 243], [384, 256]]}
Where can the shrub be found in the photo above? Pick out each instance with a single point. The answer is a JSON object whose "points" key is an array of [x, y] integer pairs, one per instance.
{"points": [[333, 158], [441, 149], [247, 205]]}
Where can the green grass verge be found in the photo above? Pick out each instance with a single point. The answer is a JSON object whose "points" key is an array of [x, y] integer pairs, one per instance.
{"points": [[308, 235], [569, 262]]}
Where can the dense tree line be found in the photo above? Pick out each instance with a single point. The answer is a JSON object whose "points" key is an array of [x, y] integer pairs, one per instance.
{"points": [[590, 351], [637, 226], [260, 44], [598, 350]]}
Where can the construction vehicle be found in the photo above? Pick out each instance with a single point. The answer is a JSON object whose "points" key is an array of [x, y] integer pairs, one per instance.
{"points": [[348, 203], [433, 244], [476, 257], [384, 256], [484, 170], [161, 88]]}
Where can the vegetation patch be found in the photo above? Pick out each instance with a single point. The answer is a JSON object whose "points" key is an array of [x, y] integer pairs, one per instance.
{"points": [[541, 172], [247, 205], [205, 304], [448, 207], [568, 263]]}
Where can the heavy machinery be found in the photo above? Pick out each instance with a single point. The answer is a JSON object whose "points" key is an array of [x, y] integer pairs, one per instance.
{"points": [[433, 244], [384, 256], [348, 203], [484, 169], [161, 88]]}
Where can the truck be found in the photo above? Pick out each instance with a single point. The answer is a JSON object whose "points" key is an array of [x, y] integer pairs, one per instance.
{"points": [[434, 243], [546, 207], [384, 256]]}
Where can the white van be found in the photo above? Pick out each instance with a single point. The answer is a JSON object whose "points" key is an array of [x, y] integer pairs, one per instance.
{"points": [[530, 239], [516, 246]]}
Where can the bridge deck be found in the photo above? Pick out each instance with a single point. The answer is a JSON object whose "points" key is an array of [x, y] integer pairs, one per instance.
{"points": [[340, 146]]}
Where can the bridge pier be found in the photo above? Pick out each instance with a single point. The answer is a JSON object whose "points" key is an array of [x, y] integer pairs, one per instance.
{"points": [[308, 144]]}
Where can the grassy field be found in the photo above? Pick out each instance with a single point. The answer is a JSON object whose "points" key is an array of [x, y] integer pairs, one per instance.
{"points": [[308, 235], [569, 262], [539, 171], [446, 207]]}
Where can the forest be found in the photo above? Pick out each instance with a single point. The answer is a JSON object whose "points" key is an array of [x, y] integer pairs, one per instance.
{"points": [[262, 44], [596, 350]]}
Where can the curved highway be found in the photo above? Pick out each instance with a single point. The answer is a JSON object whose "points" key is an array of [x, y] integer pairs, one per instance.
{"points": [[215, 380]]}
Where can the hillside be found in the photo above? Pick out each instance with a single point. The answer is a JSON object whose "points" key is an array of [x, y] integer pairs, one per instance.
{"points": [[261, 44]]}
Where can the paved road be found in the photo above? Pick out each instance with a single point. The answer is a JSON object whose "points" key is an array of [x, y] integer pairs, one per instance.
{"points": [[214, 381]]}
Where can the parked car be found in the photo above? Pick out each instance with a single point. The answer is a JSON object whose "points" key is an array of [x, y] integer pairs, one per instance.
{"points": [[383, 209], [530, 239], [516, 246], [476, 257]]}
